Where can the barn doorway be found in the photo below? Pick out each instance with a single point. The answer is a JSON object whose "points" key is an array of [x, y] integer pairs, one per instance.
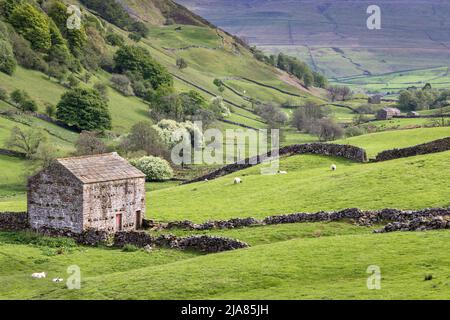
{"points": [[138, 219], [119, 225]]}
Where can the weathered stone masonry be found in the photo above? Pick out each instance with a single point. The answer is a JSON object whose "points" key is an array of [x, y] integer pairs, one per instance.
{"points": [[101, 192]]}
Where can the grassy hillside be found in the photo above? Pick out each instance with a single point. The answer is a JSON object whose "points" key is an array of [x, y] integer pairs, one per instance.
{"points": [[377, 142], [309, 186], [325, 267]]}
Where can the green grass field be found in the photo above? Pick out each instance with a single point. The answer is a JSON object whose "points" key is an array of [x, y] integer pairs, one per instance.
{"points": [[377, 142], [309, 186], [320, 267]]}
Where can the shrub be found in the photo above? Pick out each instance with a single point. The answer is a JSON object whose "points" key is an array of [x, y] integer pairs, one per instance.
{"points": [[22, 101], [84, 109], [154, 168], [122, 84], [115, 39], [130, 248], [3, 94], [7, 61], [354, 131], [181, 63]]}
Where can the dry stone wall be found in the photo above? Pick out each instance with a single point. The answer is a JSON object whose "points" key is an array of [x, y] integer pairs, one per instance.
{"points": [[13, 221], [203, 243], [440, 145], [360, 217]]}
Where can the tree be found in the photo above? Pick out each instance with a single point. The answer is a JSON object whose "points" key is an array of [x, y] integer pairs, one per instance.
{"points": [[8, 63], [88, 143], [305, 116], [45, 154], [50, 110], [272, 114], [33, 25], [138, 61], [308, 79], [143, 137], [115, 39], [181, 63], [84, 109], [327, 130], [26, 141]]}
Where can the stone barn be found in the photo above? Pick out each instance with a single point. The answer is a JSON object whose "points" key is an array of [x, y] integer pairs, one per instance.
{"points": [[388, 113], [101, 192]]}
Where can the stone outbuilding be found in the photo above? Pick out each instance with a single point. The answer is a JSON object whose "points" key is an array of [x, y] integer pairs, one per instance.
{"points": [[100, 192], [388, 113]]}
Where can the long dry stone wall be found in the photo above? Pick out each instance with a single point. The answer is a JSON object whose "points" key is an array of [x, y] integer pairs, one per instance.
{"points": [[360, 217], [327, 149], [440, 145]]}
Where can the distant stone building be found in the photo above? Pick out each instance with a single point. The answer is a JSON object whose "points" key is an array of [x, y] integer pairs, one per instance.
{"points": [[388, 113], [376, 99], [102, 192]]}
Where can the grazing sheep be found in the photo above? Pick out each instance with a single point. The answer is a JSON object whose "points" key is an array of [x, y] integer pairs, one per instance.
{"points": [[334, 167], [237, 181], [41, 275], [206, 180], [282, 172], [58, 280]]}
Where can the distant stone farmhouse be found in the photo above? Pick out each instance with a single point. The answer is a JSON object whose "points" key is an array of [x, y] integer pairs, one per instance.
{"points": [[388, 113], [102, 192]]}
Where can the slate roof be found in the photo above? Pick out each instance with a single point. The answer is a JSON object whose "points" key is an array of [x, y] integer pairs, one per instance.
{"points": [[100, 168]]}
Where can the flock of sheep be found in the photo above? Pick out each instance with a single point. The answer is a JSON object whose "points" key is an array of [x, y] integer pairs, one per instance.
{"points": [[43, 275]]}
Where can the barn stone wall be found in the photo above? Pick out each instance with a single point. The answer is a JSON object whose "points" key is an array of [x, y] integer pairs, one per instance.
{"points": [[55, 200], [103, 201]]}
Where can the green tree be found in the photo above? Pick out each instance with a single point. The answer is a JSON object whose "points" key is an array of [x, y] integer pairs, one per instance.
{"points": [[26, 141], [138, 60], [84, 109], [33, 25], [8, 63], [181, 63]]}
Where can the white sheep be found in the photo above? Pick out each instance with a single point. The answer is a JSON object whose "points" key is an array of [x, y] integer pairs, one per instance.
{"points": [[282, 172], [333, 167], [58, 280], [40, 275], [237, 180]]}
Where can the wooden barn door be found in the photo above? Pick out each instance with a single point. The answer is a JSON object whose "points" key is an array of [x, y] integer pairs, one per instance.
{"points": [[119, 226]]}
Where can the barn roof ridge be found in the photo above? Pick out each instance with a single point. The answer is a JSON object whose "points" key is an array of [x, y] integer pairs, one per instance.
{"points": [[100, 168]]}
